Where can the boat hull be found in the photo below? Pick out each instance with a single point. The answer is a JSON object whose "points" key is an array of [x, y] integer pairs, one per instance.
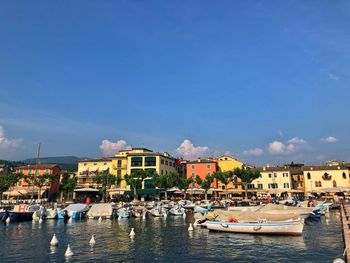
{"points": [[292, 228], [17, 216]]}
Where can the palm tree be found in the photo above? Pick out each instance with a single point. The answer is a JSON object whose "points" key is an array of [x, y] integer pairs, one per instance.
{"points": [[247, 176], [205, 184]]}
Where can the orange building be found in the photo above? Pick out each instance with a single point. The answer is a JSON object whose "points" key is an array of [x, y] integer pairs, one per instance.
{"points": [[26, 188], [202, 168]]}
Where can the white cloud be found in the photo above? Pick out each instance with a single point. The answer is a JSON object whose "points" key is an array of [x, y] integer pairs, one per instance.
{"points": [[190, 152], [332, 76], [254, 152], [111, 148], [8, 146], [330, 139], [291, 146]]}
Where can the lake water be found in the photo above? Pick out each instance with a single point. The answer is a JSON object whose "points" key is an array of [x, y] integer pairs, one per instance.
{"points": [[165, 240]]}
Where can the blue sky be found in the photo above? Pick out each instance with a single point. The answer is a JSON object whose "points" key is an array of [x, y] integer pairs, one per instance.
{"points": [[266, 81]]}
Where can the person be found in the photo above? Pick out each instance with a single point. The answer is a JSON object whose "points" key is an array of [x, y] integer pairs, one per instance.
{"points": [[268, 198], [66, 216], [88, 200]]}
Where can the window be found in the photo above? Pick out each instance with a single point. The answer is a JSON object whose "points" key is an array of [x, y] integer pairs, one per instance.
{"points": [[193, 175], [260, 186], [308, 176], [318, 184], [275, 175], [273, 186], [226, 159], [104, 163], [250, 186], [192, 166], [119, 163], [85, 164], [344, 175], [150, 161], [285, 174], [270, 175], [334, 183], [95, 163], [286, 185], [84, 180], [166, 172], [136, 161], [161, 161], [166, 162], [119, 172], [208, 174], [208, 166], [161, 172]]}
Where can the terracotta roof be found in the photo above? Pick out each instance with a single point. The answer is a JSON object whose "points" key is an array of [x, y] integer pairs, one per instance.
{"points": [[201, 161], [38, 167], [323, 168]]}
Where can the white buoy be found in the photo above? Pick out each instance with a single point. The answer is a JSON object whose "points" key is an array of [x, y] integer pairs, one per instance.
{"points": [[69, 252], [54, 241], [338, 260], [92, 240], [8, 220], [132, 232], [100, 219], [40, 220], [190, 228]]}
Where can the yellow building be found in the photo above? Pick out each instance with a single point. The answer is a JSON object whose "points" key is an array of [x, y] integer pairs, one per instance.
{"points": [[275, 180], [228, 163], [320, 178], [88, 169], [119, 167]]}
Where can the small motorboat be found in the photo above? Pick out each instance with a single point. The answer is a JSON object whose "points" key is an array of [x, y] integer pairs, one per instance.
{"points": [[124, 213], [139, 211], [75, 211], [158, 211], [177, 211], [19, 213], [104, 210], [261, 227]]}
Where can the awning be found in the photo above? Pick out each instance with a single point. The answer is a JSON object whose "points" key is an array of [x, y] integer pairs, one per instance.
{"points": [[85, 190], [144, 192], [173, 189], [103, 169], [19, 192], [195, 191], [119, 191], [333, 189]]}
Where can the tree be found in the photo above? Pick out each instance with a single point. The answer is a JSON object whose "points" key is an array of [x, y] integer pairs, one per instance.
{"points": [[118, 180], [40, 181], [224, 177], [205, 184], [135, 180], [167, 181], [105, 179], [68, 184], [184, 184], [8, 180], [247, 176]]}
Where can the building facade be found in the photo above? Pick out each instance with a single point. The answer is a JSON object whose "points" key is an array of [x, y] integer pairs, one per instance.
{"points": [[228, 163], [27, 187], [88, 169], [202, 168]]}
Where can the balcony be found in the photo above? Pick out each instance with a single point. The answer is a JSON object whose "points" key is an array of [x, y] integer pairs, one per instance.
{"points": [[327, 177]]}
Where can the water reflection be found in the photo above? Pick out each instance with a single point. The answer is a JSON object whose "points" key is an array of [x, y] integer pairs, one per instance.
{"points": [[165, 239]]}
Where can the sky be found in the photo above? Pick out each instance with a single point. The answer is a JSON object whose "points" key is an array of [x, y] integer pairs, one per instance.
{"points": [[264, 81]]}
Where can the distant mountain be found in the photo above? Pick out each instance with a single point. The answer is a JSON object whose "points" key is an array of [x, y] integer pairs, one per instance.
{"points": [[69, 163], [58, 159]]}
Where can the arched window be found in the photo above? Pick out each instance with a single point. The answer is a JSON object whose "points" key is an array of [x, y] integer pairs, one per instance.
{"points": [[316, 184], [344, 175], [334, 183], [308, 176]]}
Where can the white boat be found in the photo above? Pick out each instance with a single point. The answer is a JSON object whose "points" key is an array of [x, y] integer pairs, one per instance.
{"points": [[292, 227], [158, 211], [101, 210], [177, 211], [43, 213], [124, 213], [75, 211], [139, 211]]}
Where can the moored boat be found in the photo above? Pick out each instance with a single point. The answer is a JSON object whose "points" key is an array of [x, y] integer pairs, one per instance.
{"points": [[75, 211], [103, 210], [19, 213], [262, 227]]}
